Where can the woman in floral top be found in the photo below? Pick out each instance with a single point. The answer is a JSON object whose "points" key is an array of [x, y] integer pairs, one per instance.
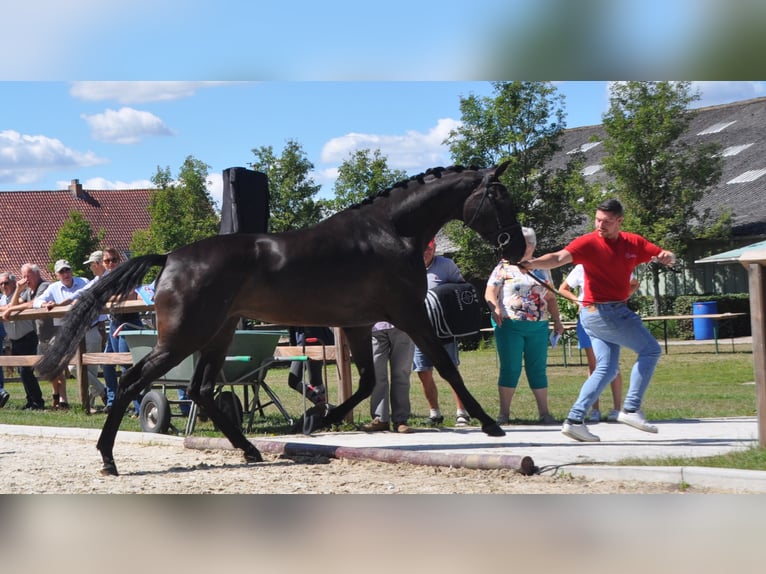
{"points": [[520, 309]]}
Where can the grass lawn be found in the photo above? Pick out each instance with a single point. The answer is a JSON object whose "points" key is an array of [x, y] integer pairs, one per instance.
{"points": [[691, 381]]}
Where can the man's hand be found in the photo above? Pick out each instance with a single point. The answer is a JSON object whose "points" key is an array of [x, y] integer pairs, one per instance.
{"points": [[666, 258]]}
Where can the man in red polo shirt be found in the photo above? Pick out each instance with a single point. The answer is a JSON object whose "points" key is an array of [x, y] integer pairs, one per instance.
{"points": [[609, 256]]}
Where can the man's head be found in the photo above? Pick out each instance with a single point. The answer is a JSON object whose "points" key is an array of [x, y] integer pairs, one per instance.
{"points": [[7, 283], [64, 272], [31, 273], [609, 217], [428, 254], [96, 262]]}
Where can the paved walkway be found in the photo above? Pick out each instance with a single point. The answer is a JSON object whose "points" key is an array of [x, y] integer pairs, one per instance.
{"points": [[549, 450]]}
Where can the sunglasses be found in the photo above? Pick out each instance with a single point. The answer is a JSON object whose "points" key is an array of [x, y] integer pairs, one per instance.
{"points": [[110, 261], [4, 283]]}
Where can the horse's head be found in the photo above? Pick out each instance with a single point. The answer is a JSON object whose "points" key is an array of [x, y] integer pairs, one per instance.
{"points": [[490, 213]]}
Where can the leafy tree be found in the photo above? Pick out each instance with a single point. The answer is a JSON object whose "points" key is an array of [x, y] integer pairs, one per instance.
{"points": [[521, 122], [363, 175], [74, 242], [291, 189], [658, 176], [181, 211]]}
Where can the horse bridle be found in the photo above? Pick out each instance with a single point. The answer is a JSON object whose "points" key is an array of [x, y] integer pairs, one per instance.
{"points": [[503, 231]]}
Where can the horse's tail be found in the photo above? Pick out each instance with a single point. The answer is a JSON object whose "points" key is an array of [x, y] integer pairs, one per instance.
{"points": [[119, 284]]}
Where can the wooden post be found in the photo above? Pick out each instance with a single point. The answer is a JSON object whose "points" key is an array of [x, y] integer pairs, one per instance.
{"points": [[343, 362], [82, 377], [757, 279]]}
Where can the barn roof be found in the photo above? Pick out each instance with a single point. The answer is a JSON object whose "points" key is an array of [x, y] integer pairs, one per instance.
{"points": [[31, 220], [740, 129]]}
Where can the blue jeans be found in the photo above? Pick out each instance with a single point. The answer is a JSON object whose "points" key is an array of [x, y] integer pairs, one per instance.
{"points": [[115, 345], [611, 326]]}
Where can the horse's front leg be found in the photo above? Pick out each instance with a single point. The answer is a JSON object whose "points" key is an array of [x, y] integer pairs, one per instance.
{"points": [[430, 345], [360, 343]]}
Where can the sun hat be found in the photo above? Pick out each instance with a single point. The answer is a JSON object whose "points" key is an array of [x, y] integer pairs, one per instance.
{"points": [[61, 264], [95, 257]]}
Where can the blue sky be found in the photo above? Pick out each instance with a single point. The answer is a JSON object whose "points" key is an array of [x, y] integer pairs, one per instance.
{"points": [[105, 92], [115, 135]]}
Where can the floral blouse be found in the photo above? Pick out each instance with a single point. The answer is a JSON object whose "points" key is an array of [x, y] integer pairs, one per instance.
{"points": [[521, 297]]}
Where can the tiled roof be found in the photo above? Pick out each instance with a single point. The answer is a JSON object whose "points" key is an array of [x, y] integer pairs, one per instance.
{"points": [[31, 220], [740, 129]]}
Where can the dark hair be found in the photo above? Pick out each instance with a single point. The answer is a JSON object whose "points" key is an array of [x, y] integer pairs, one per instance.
{"points": [[611, 206]]}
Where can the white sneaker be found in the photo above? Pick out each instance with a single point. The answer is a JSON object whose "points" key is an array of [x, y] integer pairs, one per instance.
{"points": [[595, 416], [503, 419], [578, 432], [462, 420], [636, 420], [612, 416]]}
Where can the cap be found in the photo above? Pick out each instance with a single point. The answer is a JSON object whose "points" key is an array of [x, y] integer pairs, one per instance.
{"points": [[61, 264], [95, 257]]}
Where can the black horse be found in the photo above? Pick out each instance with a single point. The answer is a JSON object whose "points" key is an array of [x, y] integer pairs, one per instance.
{"points": [[360, 266]]}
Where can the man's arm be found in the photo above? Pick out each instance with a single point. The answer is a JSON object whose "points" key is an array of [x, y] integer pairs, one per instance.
{"points": [[548, 261], [566, 291]]}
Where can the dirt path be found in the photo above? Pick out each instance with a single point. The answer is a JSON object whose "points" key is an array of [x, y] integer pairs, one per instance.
{"points": [[71, 465]]}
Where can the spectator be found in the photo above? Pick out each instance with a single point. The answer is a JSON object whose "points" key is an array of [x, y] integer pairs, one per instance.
{"points": [[390, 402], [609, 255], [35, 285], [4, 395], [114, 343], [572, 289], [520, 308], [23, 337], [439, 269], [316, 391], [62, 293]]}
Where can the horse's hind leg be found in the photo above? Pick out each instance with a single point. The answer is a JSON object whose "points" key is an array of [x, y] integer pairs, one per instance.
{"points": [[202, 387], [137, 378]]}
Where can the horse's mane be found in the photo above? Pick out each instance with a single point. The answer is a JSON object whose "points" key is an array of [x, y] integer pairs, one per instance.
{"points": [[435, 172]]}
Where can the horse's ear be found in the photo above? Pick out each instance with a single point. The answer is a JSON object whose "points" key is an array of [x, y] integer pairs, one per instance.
{"points": [[501, 168]]}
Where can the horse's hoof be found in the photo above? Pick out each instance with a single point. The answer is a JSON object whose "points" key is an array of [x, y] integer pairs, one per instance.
{"points": [[253, 457], [493, 429], [109, 469], [314, 419]]}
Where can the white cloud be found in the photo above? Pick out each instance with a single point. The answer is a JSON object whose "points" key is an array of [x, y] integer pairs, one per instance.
{"points": [[413, 151], [25, 159], [102, 183], [714, 93], [125, 126], [215, 187], [137, 92]]}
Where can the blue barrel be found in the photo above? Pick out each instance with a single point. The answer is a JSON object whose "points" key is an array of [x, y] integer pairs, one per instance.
{"points": [[703, 328]]}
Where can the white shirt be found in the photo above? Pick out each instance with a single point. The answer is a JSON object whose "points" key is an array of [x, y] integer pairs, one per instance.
{"points": [[58, 292]]}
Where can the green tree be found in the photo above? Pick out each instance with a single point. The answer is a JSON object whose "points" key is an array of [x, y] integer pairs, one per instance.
{"points": [[522, 122], [658, 175], [74, 242], [181, 211], [363, 174], [291, 188]]}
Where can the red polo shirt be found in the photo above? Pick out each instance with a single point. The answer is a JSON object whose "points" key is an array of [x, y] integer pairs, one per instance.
{"points": [[608, 264]]}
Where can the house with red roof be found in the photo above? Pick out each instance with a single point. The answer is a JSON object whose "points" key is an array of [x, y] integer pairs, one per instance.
{"points": [[32, 219]]}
